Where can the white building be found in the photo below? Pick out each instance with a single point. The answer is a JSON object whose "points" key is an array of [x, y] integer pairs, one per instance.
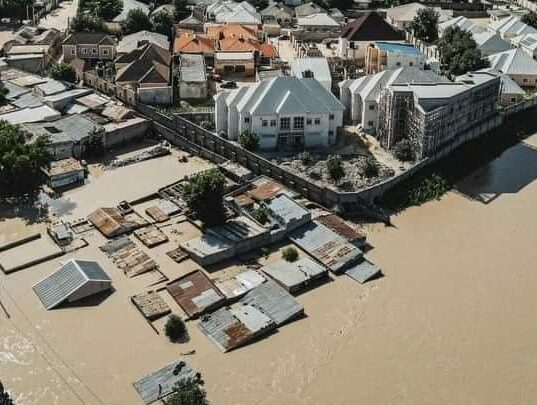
{"points": [[490, 43], [390, 56], [528, 43], [518, 65], [231, 12], [460, 22], [511, 27], [316, 67], [402, 16], [133, 41], [361, 96], [283, 111]]}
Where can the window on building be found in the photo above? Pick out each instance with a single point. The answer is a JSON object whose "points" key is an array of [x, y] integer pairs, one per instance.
{"points": [[317, 121], [371, 106], [84, 50], [410, 63], [73, 51], [264, 123], [524, 80], [308, 121], [398, 64], [285, 123], [272, 123], [513, 99], [369, 123], [105, 51], [94, 51], [330, 133], [298, 123], [331, 116], [247, 119]]}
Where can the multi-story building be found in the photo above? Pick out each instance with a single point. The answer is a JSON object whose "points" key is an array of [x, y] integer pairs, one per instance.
{"points": [[284, 112], [89, 46], [387, 56], [437, 116]]}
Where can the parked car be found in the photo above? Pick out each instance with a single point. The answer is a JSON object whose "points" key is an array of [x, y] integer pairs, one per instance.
{"points": [[229, 85]]}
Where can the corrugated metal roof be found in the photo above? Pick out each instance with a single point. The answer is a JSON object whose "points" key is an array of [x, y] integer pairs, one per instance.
{"points": [[318, 66], [240, 284], [52, 87], [287, 211], [192, 68], [195, 293], [326, 246], [342, 228], [234, 327], [363, 271], [273, 301], [160, 383], [294, 275], [73, 275]]}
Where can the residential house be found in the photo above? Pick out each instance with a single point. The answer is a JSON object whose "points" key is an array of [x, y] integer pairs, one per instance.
{"points": [[277, 13], [316, 68], [230, 12], [510, 91], [133, 41], [193, 43], [235, 62], [511, 27], [390, 56], [166, 8], [518, 65], [316, 27], [146, 71], [192, 77], [461, 22], [336, 14], [360, 33], [91, 46], [490, 43], [402, 16], [526, 42], [283, 111], [307, 9], [191, 23], [439, 116], [361, 96], [217, 32], [68, 135]]}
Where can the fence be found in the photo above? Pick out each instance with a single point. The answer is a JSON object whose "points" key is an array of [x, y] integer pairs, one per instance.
{"points": [[206, 144], [520, 106]]}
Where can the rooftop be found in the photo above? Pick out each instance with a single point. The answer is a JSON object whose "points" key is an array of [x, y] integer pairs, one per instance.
{"points": [[192, 68], [370, 27]]}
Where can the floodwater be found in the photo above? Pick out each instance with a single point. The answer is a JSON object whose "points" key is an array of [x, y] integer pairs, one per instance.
{"points": [[452, 321]]}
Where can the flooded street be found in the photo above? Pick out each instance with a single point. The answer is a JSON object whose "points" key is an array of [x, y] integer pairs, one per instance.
{"points": [[452, 321]]}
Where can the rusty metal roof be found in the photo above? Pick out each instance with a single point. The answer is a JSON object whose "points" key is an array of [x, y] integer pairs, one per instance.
{"points": [[341, 227], [111, 222]]}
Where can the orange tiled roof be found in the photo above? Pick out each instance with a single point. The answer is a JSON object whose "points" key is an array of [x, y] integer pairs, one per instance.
{"points": [[234, 44], [218, 32], [268, 50], [192, 43]]}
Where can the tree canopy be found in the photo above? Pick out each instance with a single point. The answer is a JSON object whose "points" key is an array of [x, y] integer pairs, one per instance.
{"points": [[20, 161], [181, 10], [86, 23], [248, 140], [203, 194], [459, 53], [530, 19], [334, 166], [188, 392], [136, 21], [16, 9], [63, 71], [3, 93], [163, 23], [175, 328], [425, 25], [107, 9]]}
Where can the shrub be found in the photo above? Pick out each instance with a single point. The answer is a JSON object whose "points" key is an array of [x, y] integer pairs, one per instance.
{"points": [[304, 158], [261, 215], [203, 194], [430, 188], [370, 168], [404, 151], [187, 392], [206, 125], [248, 140], [63, 71], [334, 166], [290, 254], [175, 328]]}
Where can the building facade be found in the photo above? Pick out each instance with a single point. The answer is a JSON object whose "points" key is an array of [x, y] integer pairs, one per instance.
{"points": [[385, 55], [89, 46]]}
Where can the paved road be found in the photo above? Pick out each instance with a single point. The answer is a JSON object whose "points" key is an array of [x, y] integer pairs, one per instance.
{"points": [[59, 17]]}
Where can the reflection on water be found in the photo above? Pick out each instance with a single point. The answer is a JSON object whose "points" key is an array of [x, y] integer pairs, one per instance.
{"points": [[509, 173]]}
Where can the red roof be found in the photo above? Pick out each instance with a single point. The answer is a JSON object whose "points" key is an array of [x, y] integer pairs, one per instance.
{"points": [[268, 50]]}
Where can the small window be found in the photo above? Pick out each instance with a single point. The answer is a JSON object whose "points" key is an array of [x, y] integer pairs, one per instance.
{"points": [[371, 106], [410, 63], [84, 50], [308, 121], [331, 116], [369, 123], [264, 123], [73, 51], [524, 80], [298, 123], [105, 51], [330, 133], [317, 121], [272, 123], [513, 99], [94, 51], [285, 123], [398, 64], [247, 119]]}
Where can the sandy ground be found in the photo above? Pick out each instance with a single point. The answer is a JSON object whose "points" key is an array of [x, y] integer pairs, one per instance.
{"points": [[453, 321]]}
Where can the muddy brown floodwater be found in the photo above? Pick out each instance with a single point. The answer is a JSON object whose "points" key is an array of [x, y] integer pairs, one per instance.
{"points": [[452, 322]]}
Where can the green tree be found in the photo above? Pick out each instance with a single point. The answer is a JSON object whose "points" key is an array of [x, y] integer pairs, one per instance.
{"points": [[20, 160], [163, 23], [63, 71], [370, 168], [106, 9], [425, 25], [342, 5], [290, 254], [203, 194], [261, 215], [459, 53], [188, 392], [530, 19], [334, 167], [3, 93], [86, 23], [175, 328], [136, 21], [17, 10], [404, 151], [180, 10], [259, 4], [248, 140]]}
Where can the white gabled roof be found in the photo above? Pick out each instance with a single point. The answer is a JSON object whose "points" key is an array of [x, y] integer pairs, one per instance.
{"points": [[512, 26], [133, 41], [237, 13], [405, 12], [319, 19], [317, 65], [513, 62], [463, 23], [528, 41], [490, 42], [285, 95]]}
